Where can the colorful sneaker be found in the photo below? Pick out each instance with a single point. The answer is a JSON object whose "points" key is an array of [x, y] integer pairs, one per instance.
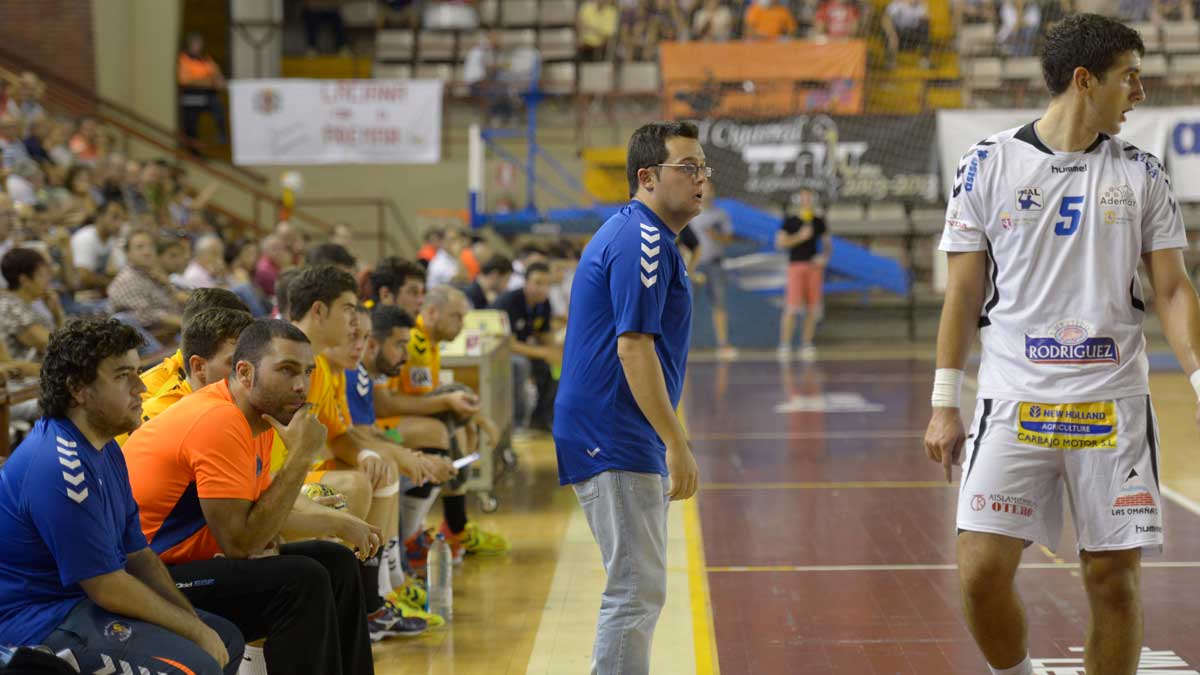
{"points": [[403, 607], [413, 592], [457, 547], [479, 542], [386, 622], [416, 551]]}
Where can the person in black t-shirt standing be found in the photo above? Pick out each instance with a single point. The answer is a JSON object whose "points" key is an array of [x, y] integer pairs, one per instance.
{"points": [[533, 346], [800, 234]]}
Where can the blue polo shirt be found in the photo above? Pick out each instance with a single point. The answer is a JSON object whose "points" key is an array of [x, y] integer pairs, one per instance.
{"points": [[360, 396], [66, 514], [630, 279]]}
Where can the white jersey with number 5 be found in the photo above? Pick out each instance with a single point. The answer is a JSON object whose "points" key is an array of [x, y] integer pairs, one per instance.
{"points": [[1064, 231]]}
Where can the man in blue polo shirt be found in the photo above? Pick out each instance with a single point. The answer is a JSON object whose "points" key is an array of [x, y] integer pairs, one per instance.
{"points": [[75, 570], [619, 442]]}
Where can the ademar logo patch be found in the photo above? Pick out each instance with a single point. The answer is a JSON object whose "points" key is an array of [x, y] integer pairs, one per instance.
{"points": [[118, 631]]}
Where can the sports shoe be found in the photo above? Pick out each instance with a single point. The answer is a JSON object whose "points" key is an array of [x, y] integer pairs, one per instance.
{"points": [[479, 542], [457, 545], [403, 607], [727, 353], [783, 353], [808, 353], [413, 592], [386, 622], [416, 551]]}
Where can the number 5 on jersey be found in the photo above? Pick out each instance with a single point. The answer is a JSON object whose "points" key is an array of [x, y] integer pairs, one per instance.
{"points": [[1072, 208]]}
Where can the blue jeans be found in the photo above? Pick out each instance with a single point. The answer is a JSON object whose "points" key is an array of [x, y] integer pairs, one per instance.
{"points": [[628, 516]]}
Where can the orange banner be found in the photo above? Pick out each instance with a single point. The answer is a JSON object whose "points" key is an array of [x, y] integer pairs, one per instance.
{"points": [[763, 79]]}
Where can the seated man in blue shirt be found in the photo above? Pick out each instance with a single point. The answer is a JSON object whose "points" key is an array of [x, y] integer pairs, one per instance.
{"points": [[75, 570], [534, 350]]}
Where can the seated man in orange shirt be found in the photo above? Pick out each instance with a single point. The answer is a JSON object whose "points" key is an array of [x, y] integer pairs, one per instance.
{"points": [[767, 19], [171, 371], [212, 511]]}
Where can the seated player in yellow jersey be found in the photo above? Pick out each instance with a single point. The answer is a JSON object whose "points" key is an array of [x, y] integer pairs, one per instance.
{"points": [[207, 347], [405, 594], [422, 415], [322, 303], [171, 370]]}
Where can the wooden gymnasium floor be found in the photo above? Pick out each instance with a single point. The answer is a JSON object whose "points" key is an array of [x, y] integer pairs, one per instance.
{"points": [[822, 542]]}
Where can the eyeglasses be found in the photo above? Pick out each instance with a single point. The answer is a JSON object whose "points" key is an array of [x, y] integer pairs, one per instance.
{"points": [[692, 170]]}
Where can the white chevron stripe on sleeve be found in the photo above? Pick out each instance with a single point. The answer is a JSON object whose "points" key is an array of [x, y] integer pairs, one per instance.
{"points": [[107, 669], [70, 463], [650, 252], [73, 479], [77, 497], [649, 281], [63, 441], [66, 452], [651, 237], [648, 228], [650, 267]]}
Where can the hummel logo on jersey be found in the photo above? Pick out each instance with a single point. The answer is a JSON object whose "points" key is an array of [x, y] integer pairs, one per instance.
{"points": [[1029, 199], [1082, 168], [593, 452], [649, 259]]}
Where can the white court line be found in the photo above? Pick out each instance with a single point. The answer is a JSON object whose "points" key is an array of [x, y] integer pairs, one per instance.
{"points": [[1180, 499], [922, 568], [786, 435]]}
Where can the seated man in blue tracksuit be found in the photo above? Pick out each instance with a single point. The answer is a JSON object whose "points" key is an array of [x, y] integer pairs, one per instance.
{"points": [[76, 572]]}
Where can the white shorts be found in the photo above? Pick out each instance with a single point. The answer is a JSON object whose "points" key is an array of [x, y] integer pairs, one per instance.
{"points": [[1020, 455]]}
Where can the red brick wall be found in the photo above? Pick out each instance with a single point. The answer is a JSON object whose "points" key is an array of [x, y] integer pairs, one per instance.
{"points": [[57, 34]]}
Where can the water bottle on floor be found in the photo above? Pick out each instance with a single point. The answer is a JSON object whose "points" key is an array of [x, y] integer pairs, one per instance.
{"points": [[441, 578]]}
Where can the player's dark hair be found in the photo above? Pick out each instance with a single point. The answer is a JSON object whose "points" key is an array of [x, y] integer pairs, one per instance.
{"points": [[203, 299], [320, 283], [648, 147], [386, 318], [74, 354], [403, 268], [255, 340], [204, 335], [1086, 41], [330, 253], [497, 264], [536, 267], [281, 289], [20, 262]]}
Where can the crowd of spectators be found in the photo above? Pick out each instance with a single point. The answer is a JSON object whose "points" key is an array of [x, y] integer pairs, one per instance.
{"points": [[632, 29]]}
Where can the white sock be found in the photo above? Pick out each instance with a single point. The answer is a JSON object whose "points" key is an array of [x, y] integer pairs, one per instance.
{"points": [[385, 578], [395, 568], [1023, 668], [413, 511], [254, 662]]}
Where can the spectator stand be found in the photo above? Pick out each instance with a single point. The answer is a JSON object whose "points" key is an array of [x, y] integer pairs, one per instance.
{"points": [[992, 77], [437, 46]]}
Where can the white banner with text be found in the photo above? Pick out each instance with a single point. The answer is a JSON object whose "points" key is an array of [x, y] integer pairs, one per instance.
{"points": [[297, 121]]}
